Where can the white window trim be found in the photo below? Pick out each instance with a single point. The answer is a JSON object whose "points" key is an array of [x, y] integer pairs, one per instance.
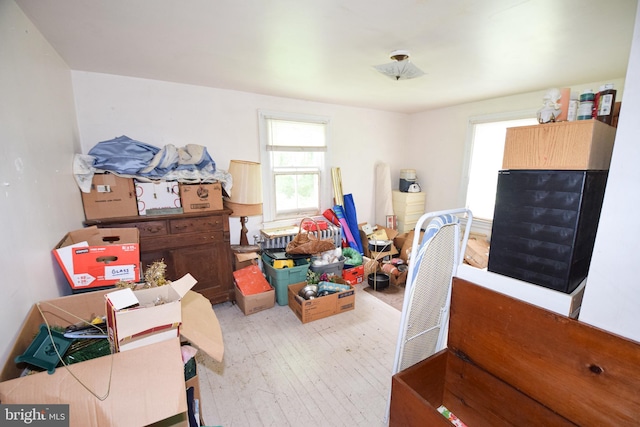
{"points": [[269, 221], [480, 225]]}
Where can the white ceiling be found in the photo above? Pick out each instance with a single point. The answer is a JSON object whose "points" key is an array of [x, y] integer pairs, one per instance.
{"points": [[324, 50]]}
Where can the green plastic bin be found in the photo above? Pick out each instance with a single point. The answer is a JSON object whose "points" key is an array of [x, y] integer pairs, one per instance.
{"points": [[281, 278]]}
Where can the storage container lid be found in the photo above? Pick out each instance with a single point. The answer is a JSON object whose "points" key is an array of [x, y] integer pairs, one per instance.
{"points": [[408, 173]]}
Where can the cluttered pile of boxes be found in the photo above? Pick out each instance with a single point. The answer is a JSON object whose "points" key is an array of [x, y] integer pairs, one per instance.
{"points": [[276, 277], [95, 258], [116, 356], [319, 285]]}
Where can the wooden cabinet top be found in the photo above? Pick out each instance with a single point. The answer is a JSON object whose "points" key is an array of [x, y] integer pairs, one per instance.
{"points": [[148, 218]]}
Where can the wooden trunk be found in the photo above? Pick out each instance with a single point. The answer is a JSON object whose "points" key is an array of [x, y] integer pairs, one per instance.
{"points": [[509, 363]]}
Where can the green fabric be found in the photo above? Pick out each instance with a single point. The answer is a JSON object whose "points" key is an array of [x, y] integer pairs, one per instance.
{"points": [[352, 257]]}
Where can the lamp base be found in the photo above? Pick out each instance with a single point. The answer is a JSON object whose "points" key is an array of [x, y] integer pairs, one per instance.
{"points": [[243, 231]]}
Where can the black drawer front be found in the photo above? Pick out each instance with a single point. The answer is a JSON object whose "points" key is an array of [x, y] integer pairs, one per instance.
{"points": [[534, 231], [527, 214], [545, 224], [552, 181], [538, 248]]}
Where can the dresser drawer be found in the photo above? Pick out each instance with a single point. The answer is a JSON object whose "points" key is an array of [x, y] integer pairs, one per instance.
{"points": [[408, 203], [147, 228], [191, 225], [410, 217]]}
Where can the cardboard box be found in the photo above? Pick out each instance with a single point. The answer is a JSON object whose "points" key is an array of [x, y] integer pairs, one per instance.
{"points": [[194, 383], [201, 197], [141, 317], [95, 257], [111, 196], [477, 251], [319, 308], [399, 280], [145, 385], [380, 233], [578, 145], [157, 195], [242, 260], [250, 304], [354, 275]]}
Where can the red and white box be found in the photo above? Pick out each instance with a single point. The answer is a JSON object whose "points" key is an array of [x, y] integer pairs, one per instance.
{"points": [[95, 257], [353, 275]]}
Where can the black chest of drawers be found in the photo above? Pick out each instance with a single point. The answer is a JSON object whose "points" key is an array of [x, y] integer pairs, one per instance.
{"points": [[545, 224]]}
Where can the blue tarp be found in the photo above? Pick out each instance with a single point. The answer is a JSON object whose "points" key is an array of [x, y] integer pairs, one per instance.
{"points": [[352, 220]]}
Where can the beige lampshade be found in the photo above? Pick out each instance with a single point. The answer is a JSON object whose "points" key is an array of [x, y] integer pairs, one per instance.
{"points": [[246, 193]]}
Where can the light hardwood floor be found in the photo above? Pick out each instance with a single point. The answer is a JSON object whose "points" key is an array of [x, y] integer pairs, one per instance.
{"points": [[277, 371]]}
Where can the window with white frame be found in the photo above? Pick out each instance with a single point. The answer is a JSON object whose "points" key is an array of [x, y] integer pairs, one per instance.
{"points": [[294, 152], [485, 148]]}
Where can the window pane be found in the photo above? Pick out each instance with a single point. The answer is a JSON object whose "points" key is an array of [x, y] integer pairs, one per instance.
{"points": [[486, 161], [290, 133], [297, 192], [297, 159], [294, 150]]}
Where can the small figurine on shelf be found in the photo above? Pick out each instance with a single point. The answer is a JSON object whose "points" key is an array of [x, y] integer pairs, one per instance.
{"points": [[551, 108]]}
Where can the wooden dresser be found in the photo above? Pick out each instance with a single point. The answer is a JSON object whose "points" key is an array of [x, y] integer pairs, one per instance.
{"points": [[196, 243]]}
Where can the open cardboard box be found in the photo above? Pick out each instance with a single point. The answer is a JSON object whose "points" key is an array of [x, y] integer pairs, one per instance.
{"points": [[379, 233], [145, 316], [250, 304], [142, 386], [321, 307], [95, 257]]}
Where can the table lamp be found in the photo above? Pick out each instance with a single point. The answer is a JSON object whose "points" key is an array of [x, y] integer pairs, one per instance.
{"points": [[246, 193]]}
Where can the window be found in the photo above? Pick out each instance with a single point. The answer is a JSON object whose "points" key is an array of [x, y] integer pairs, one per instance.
{"points": [[294, 158], [485, 151]]}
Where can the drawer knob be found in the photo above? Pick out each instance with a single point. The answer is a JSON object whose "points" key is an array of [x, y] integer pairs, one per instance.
{"points": [[181, 227], [153, 229]]}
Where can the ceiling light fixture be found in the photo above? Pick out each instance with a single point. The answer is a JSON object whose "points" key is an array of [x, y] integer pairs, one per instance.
{"points": [[400, 68]]}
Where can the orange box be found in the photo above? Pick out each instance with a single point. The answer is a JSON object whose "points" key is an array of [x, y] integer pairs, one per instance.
{"points": [[95, 257], [354, 275]]}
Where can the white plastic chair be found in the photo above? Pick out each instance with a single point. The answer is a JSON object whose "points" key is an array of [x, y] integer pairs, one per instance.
{"points": [[433, 263]]}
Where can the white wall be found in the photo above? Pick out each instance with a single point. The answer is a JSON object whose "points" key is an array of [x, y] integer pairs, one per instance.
{"points": [[226, 122], [39, 200], [612, 296]]}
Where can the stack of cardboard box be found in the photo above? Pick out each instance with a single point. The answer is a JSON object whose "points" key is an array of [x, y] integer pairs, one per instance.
{"points": [[141, 386]]}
